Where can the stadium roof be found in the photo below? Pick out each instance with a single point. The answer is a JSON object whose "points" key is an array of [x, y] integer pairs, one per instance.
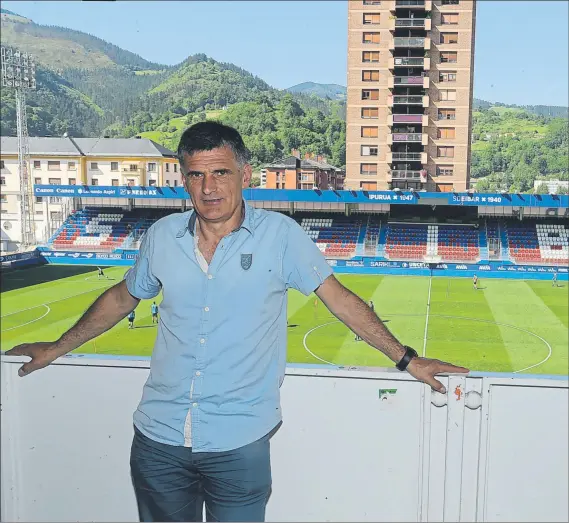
{"points": [[66, 146]]}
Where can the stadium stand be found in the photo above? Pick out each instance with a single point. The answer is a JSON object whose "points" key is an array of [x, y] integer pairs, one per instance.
{"points": [[538, 242], [339, 236], [336, 237]]}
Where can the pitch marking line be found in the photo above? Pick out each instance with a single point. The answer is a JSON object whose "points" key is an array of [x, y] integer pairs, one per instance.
{"points": [[32, 321], [427, 318], [48, 303], [550, 350]]}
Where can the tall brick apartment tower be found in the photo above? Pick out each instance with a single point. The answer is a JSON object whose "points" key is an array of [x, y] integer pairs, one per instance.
{"points": [[410, 75]]}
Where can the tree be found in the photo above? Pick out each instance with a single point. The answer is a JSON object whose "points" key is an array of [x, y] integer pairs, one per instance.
{"points": [[542, 189], [255, 181]]}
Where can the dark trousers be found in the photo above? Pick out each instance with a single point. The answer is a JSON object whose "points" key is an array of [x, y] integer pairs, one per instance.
{"points": [[173, 483]]}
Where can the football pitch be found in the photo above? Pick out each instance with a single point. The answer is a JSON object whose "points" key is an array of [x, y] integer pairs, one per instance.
{"points": [[504, 326]]}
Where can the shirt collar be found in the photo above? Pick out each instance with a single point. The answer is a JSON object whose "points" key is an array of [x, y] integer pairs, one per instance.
{"points": [[248, 222]]}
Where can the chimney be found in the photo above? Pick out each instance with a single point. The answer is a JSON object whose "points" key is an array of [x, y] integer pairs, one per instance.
{"points": [[307, 156], [295, 153], [319, 158]]}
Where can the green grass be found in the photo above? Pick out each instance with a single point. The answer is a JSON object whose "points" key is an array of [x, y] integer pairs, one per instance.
{"points": [[506, 326]]}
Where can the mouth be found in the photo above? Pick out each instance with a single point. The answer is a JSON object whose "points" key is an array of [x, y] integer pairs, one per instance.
{"points": [[212, 202]]}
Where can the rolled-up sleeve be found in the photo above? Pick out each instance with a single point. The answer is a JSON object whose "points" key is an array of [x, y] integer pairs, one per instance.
{"points": [[140, 281], [304, 266]]}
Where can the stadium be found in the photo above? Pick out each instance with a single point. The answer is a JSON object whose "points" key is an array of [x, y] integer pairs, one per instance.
{"points": [[413, 254]]}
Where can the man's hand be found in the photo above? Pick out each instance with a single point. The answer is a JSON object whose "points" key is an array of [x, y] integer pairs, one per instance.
{"points": [[42, 353], [424, 369]]}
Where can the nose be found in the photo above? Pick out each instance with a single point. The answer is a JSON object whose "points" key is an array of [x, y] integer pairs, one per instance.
{"points": [[208, 184]]}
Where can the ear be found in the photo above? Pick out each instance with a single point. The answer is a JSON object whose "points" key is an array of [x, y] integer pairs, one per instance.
{"points": [[247, 173]]}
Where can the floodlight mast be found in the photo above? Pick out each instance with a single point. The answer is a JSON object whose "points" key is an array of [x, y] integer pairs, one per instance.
{"points": [[18, 73]]}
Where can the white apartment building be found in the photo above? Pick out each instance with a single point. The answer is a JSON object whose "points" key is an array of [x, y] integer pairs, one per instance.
{"points": [[74, 161]]}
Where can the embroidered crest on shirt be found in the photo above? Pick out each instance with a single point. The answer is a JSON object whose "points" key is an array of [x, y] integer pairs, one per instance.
{"points": [[246, 261]]}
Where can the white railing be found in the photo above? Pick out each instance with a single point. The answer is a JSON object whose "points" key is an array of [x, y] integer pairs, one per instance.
{"points": [[356, 445]]}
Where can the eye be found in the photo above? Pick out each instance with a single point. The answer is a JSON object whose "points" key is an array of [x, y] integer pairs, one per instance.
{"points": [[222, 172]]}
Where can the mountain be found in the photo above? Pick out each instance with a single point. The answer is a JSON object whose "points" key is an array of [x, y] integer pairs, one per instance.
{"points": [[553, 111], [332, 91]]}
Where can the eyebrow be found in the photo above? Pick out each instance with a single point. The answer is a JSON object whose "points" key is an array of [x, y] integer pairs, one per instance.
{"points": [[215, 171]]}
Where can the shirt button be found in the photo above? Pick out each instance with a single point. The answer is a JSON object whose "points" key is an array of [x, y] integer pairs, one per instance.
{"points": [[209, 276], [202, 341], [198, 373], [206, 309], [195, 405]]}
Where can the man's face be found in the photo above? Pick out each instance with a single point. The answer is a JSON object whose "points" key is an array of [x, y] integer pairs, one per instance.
{"points": [[215, 180]]}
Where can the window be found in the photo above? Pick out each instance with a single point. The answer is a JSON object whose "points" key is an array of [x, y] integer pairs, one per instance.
{"points": [[167, 167], [448, 58], [114, 182], [449, 38], [370, 56], [175, 167], [368, 186], [370, 94], [94, 181], [2, 180], [445, 152], [133, 167], [39, 199], [371, 38], [449, 19], [2, 166], [447, 114], [370, 76], [114, 166], [151, 183], [371, 18], [54, 181], [370, 112], [447, 95], [151, 167], [37, 181], [176, 183], [369, 150], [372, 2], [369, 132], [72, 181], [450, 2], [94, 166], [53, 166], [71, 166], [449, 76], [37, 164], [368, 168], [55, 199], [446, 133], [445, 170]]}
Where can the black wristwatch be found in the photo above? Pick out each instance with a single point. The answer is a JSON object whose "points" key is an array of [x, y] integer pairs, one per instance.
{"points": [[407, 357]]}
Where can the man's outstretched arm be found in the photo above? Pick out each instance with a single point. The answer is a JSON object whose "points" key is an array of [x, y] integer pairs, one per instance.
{"points": [[105, 312], [356, 315]]}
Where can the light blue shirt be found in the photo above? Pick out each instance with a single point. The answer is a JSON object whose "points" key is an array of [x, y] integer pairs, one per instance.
{"points": [[220, 353]]}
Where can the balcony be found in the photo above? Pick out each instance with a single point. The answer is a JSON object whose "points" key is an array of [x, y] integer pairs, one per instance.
{"points": [[426, 5], [394, 81], [396, 137], [402, 23], [408, 100], [494, 448], [414, 42], [422, 119], [404, 175], [406, 157], [425, 63]]}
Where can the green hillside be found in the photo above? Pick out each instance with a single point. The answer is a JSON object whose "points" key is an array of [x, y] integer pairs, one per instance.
{"points": [[512, 148], [332, 91]]}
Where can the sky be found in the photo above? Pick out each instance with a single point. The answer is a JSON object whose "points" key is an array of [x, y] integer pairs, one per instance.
{"points": [[521, 54]]}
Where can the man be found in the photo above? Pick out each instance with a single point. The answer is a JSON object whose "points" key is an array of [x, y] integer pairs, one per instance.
{"points": [[131, 320], [154, 311], [101, 273], [475, 282], [371, 306], [211, 402], [554, 281]]}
